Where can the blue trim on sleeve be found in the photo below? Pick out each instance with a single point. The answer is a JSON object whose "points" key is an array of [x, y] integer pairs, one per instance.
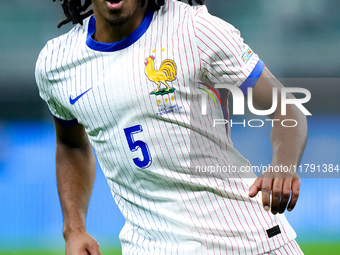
{"points": [[66, 123], [126, 42], [253, 77]]}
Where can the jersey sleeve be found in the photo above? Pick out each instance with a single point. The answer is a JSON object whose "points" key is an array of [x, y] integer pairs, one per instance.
{"points": [[47, 93], [225, 58]]}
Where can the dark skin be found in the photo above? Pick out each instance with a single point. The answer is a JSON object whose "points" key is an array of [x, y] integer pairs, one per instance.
{"points": [[288, 145], [76, 170], [76, 165]]}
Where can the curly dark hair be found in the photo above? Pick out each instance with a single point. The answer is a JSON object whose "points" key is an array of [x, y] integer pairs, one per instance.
{"points": [[76, 12]]}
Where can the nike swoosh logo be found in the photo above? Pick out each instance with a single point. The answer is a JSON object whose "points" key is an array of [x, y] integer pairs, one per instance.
{"points": [[73, 101]]}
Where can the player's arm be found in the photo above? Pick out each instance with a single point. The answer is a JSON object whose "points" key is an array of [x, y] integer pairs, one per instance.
{"points": [[288, 144], [76, 169]]}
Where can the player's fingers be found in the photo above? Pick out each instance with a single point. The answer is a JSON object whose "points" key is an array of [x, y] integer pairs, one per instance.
{"points": [[286, 191], [93, 251], [83, 252], [295, 193], [276, 194], [93, 248], [266, 189], [256, 187]]}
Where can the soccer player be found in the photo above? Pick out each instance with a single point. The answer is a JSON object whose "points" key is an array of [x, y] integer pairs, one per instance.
{"points": [[129, 81]]}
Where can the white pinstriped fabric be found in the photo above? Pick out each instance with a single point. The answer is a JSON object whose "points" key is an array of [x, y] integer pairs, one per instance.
{"points": [[148, 144]]}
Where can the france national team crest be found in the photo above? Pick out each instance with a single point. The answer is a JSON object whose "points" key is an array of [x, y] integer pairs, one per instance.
{"points": [[166, 73], [247, 55]]}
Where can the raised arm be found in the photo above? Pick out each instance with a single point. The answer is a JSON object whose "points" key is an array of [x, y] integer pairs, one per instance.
{"points": [[76, 169], [288, 144]]}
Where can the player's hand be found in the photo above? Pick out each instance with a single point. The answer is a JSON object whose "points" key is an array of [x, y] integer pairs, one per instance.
{"points": [[81, 243], [284, 187]]}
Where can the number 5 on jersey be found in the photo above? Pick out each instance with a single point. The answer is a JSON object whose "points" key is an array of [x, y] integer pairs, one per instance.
{"points": [[135, 145]]}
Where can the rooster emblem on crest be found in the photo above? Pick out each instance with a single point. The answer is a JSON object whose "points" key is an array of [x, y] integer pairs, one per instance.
{"points": [[166, 73]]}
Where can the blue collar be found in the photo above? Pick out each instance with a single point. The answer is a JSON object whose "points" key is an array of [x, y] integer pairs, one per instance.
{"points": [[126, 42]]}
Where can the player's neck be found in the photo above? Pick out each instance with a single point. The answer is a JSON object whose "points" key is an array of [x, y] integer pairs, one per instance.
{"points": [[108, 33]]}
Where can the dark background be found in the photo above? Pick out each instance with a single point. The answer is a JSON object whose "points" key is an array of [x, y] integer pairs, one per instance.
{"points": [[295, 38]]}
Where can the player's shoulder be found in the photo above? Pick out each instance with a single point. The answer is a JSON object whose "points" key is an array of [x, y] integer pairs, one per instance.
{"points": [[65, 42], [198, 16], [184, 10], [57, 49], [208, 23], [186, 7]]}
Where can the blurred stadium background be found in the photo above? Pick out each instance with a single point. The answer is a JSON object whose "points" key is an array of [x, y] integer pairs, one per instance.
{"points": [[295, 38]]}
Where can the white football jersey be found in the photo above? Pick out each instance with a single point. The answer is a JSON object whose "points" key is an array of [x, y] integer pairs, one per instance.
{"points": [[140, 101]]}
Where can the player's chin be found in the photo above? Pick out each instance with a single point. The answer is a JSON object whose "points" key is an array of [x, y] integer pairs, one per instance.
{"points": [[117, 20]]}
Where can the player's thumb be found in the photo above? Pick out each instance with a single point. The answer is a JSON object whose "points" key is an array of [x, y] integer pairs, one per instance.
{"points": [[255, 188]]}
